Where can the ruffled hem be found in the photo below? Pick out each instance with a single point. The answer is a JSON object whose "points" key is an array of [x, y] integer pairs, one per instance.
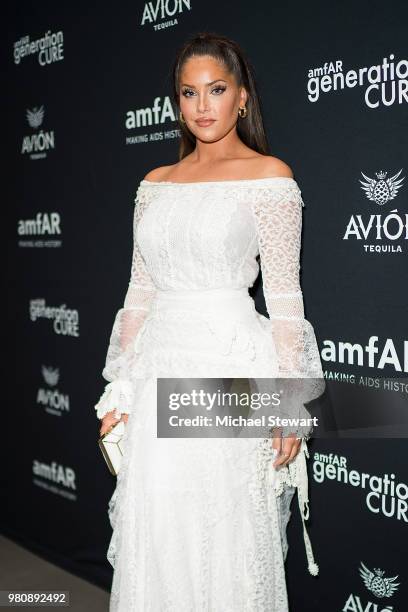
{"points": [[118, 396]]}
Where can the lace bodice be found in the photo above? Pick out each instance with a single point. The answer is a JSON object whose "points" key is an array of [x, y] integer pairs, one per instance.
{"points": [[207, 235], [205, 232]]}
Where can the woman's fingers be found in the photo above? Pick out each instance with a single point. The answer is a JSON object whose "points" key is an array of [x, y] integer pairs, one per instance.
{"points": [[107, 422], [288, 451], [277, 439], [295, 450]]}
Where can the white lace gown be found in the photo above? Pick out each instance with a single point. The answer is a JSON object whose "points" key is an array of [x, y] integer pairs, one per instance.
{"points": [[200, 524]]}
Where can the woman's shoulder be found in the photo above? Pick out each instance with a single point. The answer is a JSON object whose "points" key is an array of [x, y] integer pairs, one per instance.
{"points": [[270, 166], [261, 166], [276, 169], [158, 174]]}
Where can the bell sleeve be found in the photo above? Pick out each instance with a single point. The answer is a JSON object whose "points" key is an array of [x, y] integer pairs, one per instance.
{"points": [[278, 218], [118, 393], [278, 214]]}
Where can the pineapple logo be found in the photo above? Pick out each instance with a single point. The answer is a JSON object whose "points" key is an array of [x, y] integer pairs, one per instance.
{"points": [[51, 375], [51, 399], [35, 117], [376, 583], [382, 190], [38, 143]]}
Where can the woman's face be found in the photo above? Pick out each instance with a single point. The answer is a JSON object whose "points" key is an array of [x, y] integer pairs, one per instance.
{"points": [[209, 92]]}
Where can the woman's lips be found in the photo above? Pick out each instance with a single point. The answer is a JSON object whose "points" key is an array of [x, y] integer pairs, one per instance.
{"points": [[205, 122]]}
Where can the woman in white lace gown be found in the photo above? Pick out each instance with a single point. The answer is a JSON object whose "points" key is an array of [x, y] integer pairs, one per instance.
{"points": [[200, 524]]}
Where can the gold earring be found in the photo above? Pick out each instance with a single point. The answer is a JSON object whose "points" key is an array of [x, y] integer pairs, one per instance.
{"points": [[181, 117], [245, 112]]}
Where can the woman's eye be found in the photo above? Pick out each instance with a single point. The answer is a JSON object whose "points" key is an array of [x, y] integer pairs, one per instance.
{"points": [[186, 92]]}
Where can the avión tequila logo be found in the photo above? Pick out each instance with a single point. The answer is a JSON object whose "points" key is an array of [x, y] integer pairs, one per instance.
{"points": [[35, 117], [376, 583], [382, 190], [38, 143], [53, 401], [161, 9], [51, 375], [380, 233]]}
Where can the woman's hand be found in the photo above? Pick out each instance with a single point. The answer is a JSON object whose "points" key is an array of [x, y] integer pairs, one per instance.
{"points": [[287, 447], [109, 420]]}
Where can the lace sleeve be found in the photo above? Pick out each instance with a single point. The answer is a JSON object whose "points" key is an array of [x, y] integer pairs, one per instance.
{"points": [[278, 215], [118, 394]]}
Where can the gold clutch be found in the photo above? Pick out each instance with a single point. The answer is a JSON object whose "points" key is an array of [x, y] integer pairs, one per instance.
{"points": [[111, 445]]}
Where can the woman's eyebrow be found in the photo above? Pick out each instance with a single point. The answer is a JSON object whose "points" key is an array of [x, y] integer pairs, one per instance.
{"points": [[210, 83]]}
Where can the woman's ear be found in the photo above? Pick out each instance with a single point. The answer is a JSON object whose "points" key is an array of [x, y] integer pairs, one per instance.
{"points": [[244, 96]]}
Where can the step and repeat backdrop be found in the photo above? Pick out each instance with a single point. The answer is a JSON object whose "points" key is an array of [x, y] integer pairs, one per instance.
{"points": [[87, 113]]}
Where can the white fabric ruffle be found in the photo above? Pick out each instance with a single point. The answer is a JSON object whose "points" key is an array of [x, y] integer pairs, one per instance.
{"points": [[118, 396]]}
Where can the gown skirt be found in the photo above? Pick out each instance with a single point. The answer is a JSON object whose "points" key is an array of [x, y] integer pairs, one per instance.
{"points": [[199, 524]]}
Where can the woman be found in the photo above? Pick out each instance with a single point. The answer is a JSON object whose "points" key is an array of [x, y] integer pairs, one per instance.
{"points": [[200, 524]]}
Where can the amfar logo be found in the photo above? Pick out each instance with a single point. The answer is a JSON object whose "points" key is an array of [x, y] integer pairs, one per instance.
{"points": [[51, 475], [378, 585], [162, 9], [155, 115], [44, 224], [36, 145], [51, 399], [371, 355], [65, 320], [49, 49], [385, 84], [55, 472], [384, 230]]}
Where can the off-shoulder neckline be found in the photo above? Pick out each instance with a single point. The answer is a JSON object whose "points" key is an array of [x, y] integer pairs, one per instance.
{"points": [[232, 181]]}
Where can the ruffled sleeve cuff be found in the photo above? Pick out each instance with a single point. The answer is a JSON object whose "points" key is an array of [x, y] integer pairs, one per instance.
{"points": [[117, 396]]}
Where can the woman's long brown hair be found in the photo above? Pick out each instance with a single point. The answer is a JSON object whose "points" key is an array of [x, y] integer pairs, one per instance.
{"points": [[250, 128]]}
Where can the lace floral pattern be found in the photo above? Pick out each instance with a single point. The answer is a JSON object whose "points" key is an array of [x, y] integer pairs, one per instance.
{"points": [[278, 217], [221, 543], [118, 395], [200, 524]]}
